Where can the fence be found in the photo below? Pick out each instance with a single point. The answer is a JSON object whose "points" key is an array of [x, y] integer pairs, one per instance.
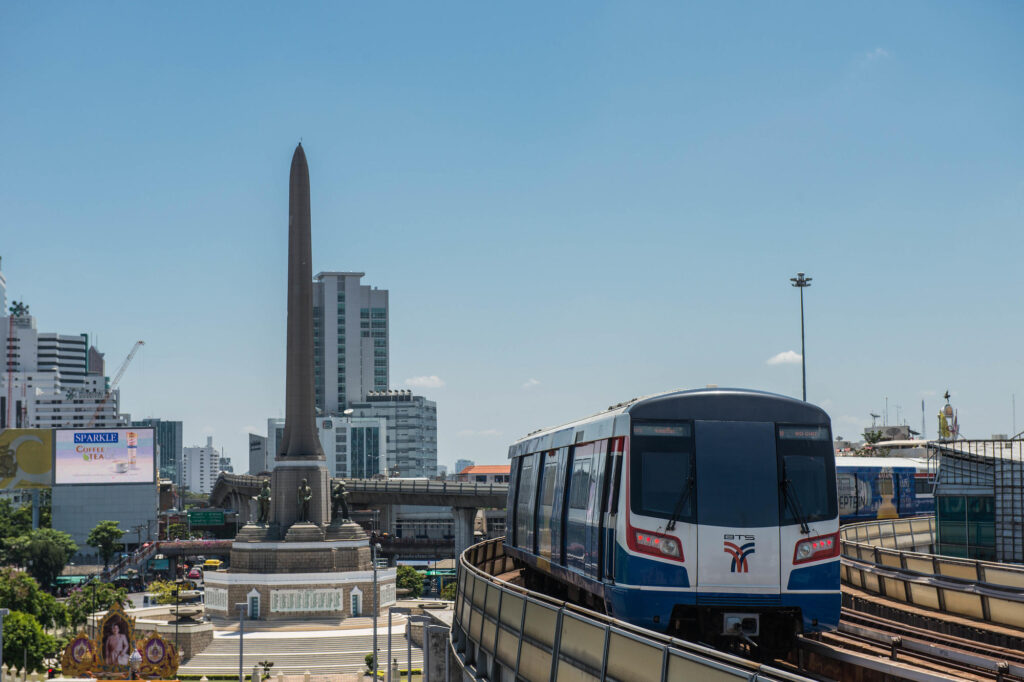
{"points": [[504, 632], [880, 557]]}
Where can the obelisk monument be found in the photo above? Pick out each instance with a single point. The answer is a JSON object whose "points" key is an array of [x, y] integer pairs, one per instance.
{"points": [[330, 562], [299, 455]]}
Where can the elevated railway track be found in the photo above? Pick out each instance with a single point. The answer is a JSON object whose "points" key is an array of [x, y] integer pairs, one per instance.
{"points": [[503, 631]]}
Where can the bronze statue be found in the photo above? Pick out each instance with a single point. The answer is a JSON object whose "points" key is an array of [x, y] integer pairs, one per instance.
{"points": [[339, 502], [305, 496], [263, 504]]}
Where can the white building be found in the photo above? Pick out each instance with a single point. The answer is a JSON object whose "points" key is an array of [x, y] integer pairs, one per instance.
{"points": [[201, 466], [350, 340], [355, 447], [51, 381], [411, 430], [258, 461]]}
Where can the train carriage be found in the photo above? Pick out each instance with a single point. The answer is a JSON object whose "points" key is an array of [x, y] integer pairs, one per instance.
{"points": [[709, 513]]}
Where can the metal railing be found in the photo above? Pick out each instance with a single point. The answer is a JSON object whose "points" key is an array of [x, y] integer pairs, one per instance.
{"points": [[503, 631], [881, 557], [425, 486]]}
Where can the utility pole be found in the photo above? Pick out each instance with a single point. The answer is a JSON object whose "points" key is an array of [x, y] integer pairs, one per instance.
{"points": [[801, 283]]}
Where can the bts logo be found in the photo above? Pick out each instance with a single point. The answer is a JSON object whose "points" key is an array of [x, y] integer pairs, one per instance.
{"points": [[739, 554]]}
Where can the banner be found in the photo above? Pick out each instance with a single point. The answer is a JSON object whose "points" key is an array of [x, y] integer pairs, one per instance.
{"points": [[26, 458]]}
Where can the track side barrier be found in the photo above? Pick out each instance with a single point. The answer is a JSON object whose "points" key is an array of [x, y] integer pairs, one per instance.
{"points": [[503, 632], [881, 557]]}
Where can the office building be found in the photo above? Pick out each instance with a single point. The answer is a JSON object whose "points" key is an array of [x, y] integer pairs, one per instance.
{"points": [[411, 430], [350, 340], [201, 467], [258, 462], [354, 447], [167, 435]]}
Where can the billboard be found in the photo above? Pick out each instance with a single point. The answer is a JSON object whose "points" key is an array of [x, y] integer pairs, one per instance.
{"points": [[26, 458], [103, 456]]}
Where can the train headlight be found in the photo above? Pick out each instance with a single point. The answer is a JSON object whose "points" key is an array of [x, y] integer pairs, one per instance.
{"points": [[814, 549], [662, 544]]}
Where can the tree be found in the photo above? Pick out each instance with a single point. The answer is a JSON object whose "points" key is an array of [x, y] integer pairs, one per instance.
{"points": [[20, 592], [106, 538], [45, 552], [177, 531], [163, 590], [13, 522], [95, 596], [24, 640], [409, 578], [448, 591]]}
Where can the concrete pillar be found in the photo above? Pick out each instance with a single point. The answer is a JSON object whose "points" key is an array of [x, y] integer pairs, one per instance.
{"points": [[464, 517]]}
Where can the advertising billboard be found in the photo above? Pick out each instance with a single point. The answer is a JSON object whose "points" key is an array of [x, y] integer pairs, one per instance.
{"points": [[26, 458], [103, 456]]}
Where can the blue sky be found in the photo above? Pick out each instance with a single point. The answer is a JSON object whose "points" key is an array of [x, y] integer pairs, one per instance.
{"points": [[570, 205]]}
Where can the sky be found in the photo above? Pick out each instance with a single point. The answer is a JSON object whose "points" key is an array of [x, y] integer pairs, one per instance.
{"points": [[571, 205]]}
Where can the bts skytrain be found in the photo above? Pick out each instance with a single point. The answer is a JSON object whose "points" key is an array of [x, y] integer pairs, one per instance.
{"points": [[710, 513]]}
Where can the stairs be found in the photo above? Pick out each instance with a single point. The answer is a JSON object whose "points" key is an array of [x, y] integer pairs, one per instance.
{"points": [[294, 651]]}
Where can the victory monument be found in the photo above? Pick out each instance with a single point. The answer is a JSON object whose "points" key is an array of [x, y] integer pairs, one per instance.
{"points": [[304, 558]]}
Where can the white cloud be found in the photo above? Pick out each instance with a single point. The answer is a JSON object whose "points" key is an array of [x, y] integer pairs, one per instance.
{"points": [[432, 381], [484, 432], [530, 383], [876, 54], [786, 357]]}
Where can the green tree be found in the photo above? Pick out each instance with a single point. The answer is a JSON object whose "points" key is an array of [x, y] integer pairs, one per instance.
{"points": [[409, 578], [95, 596], [13, 522], [25, 640], [177, 531], [20, 592], [163, 590], [448, 591], [44, 551], [106, 538]]}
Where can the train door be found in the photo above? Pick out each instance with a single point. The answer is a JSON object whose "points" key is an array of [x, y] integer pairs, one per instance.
{"points": [[737, 510]]}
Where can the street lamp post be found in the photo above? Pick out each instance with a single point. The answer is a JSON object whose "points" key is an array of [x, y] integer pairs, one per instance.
{"points": [[801, 283], [424, 621], [374, 548], [242, 608]]}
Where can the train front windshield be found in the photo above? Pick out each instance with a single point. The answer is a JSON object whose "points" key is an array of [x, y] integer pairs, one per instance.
{"points": [[807, 469]]}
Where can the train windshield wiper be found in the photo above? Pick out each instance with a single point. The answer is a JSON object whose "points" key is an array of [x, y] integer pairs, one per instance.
{"points": [[793, 502], [680, 503]]}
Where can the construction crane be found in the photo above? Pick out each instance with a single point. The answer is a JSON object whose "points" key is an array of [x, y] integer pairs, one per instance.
{"points": [[113, 384]]}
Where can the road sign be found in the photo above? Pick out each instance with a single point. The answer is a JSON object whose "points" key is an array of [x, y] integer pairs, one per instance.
{"points": [[206, 517]]}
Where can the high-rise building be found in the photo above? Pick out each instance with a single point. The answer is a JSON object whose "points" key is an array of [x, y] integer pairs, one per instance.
{"points": [[350, 340], [167, 435], [411, 430], [258, 462], [461, 464], [48, 382], [355, 447], [201, 467]]}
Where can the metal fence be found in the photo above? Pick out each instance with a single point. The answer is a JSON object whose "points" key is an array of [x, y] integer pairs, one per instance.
{"points": [[506, 633], [880, 557]]}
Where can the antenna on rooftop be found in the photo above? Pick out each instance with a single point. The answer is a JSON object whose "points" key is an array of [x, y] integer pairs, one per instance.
{"points": [[874, 418]]}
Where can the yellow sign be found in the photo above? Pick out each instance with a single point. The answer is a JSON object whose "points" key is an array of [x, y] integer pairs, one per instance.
{"points": [[26, 458]]}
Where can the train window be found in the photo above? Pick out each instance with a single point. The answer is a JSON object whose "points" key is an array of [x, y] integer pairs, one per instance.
{"points": [[924, 485], [524, 506], [661, 469], [807, 464], [547, 499], [579, 485]]}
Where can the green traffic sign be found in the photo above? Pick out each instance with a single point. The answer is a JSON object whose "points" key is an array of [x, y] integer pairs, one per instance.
{"points": [[206, 517]]}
